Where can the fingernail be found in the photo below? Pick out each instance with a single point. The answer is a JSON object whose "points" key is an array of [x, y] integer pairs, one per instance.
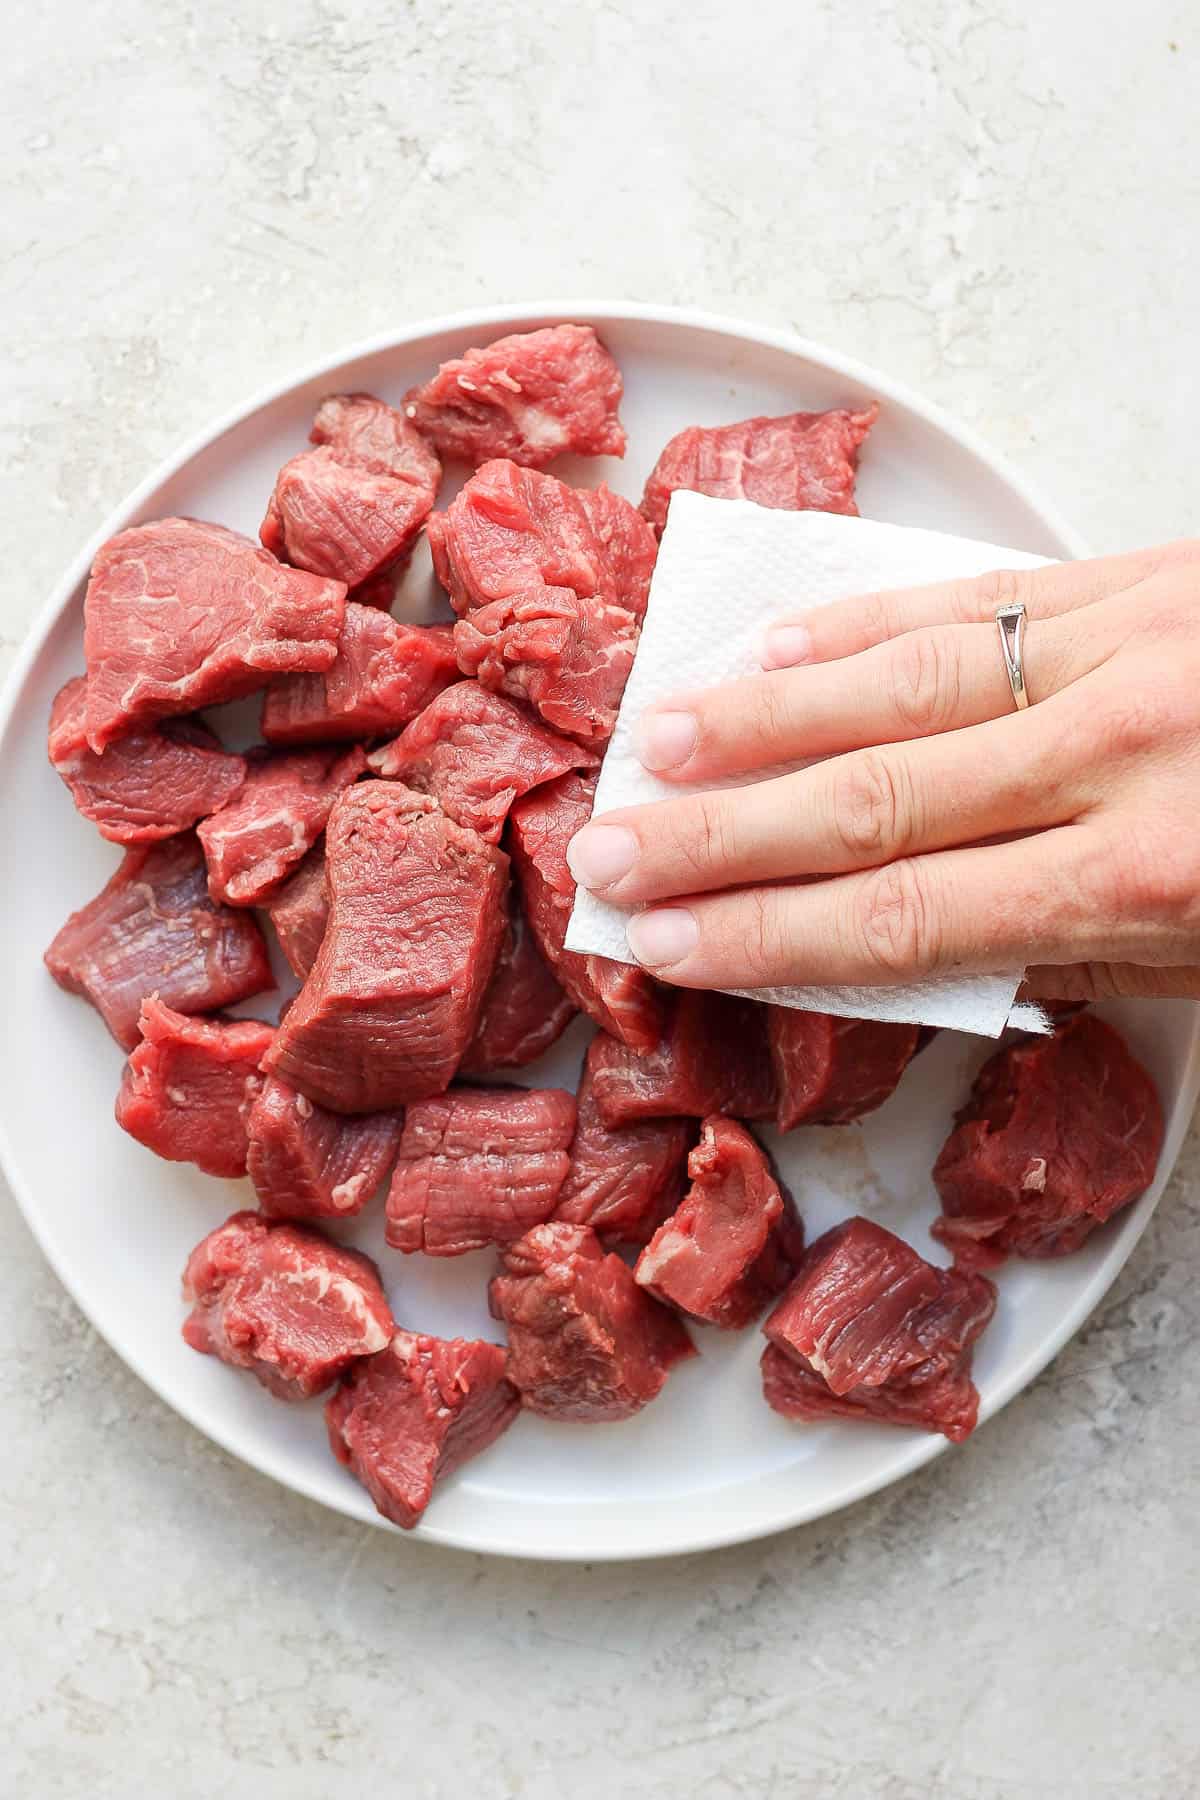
{"points": [[600, 854], [663, 937], [784, 645], [663, 740]]}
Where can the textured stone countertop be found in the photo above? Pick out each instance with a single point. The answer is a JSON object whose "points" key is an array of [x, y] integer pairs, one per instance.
{"points": [[998, 202]]}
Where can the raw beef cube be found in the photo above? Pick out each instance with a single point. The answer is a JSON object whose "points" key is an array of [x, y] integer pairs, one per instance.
{"points": [[181, 614], [307, 1163], [712, 1058], [385, 673], [511, 531], [831, 1070], [1058, 1134], [802, 462], [871, 1330], [188, 1087], [377, 590], [405, 1418], [283, 1302], [415, 922], [524, 1010], [299, 911], [355, 504], [733, 1243], [623, 1182], [530, 396], [622, 999], [146, 786], [478, 1166], [154, 930], [254, 843], [584, 1340], [568, 657], [475, 753]]}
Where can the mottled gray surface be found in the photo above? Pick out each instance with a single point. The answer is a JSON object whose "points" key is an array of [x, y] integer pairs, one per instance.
{"points": [[1000, 203]]}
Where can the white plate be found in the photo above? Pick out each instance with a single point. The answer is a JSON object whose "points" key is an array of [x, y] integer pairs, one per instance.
{"points": [[707, 1463]]}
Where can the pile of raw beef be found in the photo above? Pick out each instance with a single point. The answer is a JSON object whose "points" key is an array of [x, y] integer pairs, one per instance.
{"points": [[403, 830]]}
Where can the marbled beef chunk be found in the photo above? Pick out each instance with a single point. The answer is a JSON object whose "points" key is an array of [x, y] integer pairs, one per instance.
{"points": [[353, 505], [407, 1417], [299, 911], [622, 999], [309, 1163], [1059, 1133], [524, 1010], [585, 1341], [829, 1071], [624, 1180], [711, 1058], [153, 929], [476, 753], [478, 1166], [869, 1330], [733, 1243], [530, 396], [798, 463], [181, 614], [415, 923], [188, 1088], [255, 842], [385, 673], [283, 1302], [148, 785]]}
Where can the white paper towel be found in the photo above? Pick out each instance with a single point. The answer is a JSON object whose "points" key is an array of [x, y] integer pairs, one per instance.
{"points": [[726, 568]]}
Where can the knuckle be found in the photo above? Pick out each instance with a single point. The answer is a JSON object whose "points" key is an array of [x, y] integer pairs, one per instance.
{"points": [[1138, 719], [896, 924], [761, 947], [871, 809], [1145, 876], [707, 837], [977, 601], [926, 682]]}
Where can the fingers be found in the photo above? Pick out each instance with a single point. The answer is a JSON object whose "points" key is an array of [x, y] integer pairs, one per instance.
{"points": [[933, 680], [963, 911], [1111, 981], [849, 626], [851, 812]]}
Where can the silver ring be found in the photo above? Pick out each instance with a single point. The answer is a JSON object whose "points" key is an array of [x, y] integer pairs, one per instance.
{"points": [[1010, 623]]}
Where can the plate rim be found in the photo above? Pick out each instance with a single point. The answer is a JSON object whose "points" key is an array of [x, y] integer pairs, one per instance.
{"points": [[529, 314]]}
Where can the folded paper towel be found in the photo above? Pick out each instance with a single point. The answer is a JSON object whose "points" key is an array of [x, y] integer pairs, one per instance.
{"points": [[726, 568]]}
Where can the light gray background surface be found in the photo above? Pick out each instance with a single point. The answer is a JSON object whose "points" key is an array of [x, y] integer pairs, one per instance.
{"points": [[998, 202]]}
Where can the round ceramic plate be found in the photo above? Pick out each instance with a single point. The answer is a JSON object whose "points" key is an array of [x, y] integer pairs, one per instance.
{"points": [[707, 1463]]}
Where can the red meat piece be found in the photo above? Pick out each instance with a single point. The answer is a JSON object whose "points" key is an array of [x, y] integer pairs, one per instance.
{"points": [[415, 922], [255, 842], [1059, 1134], [802, 462], [568, 658], [829, 1070], [299, 911], [871, 1330], [511, 531], [181, 614], [475, 753], [307, 1163], [154, 930], [146, 786], [584, 1340], [355, 504], [385, 673], [531, 396], [188, 1087], [478, 1166], [283, 1302], [377, 590], [734, 1242], [409, 1416], [623, 1182], [524, 1010], [712, 1058], [621, 998]]}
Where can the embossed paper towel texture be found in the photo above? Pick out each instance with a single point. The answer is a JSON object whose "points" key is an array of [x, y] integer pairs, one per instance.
{"points": [[725, 569]]}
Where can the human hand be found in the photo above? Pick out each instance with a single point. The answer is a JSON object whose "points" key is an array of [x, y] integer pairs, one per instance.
{"points": [[946, 833]]}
